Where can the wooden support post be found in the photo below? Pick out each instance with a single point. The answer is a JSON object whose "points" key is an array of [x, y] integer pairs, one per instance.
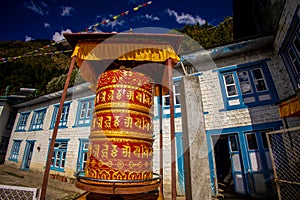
{"points": [[172, 128], [161, 155], [55, 129]]}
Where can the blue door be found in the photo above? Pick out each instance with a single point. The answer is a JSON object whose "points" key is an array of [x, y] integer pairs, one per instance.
{"points": [[27, 155], [236, 164], [261, 173]]}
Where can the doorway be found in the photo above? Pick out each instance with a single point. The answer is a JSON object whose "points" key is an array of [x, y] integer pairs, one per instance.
{"points": [[222, 157], [228, 163], [27, 155]]}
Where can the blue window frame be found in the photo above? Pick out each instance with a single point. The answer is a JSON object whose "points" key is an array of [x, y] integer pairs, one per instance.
{"points": [[166, 100], [14, 154], [22, 121], [64, 116], [290, 51], [58, 159], [247, 85], [37, 120], [82, 154], [84, 112]]}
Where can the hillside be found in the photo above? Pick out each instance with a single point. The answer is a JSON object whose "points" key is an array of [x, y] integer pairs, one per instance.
{"points": [[39, 63], [42, 67]]}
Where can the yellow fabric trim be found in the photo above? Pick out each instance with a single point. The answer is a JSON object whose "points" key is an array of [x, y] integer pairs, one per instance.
{"points": [[124, 51], [290, 108]]}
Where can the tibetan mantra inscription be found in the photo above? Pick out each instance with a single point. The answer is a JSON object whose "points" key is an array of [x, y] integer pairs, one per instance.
{"points": [[121, 131]]}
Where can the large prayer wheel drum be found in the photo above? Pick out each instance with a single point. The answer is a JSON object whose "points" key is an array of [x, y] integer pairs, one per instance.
{"points": [[121, 132]]}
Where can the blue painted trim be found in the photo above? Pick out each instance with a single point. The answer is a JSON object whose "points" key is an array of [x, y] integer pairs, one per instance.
{"points": [[265, 171], [78, 112], [30, 140], [66, 102], [243, 65], [40, 110], [180, 161], [65, 150], [55, 111], [22, 114], [292, 33], [57, 169], [20, 130], [80, 153], [240, 131], [26, 153], [15, 142], [261, 64]]}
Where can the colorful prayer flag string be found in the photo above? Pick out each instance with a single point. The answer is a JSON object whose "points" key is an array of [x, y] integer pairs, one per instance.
{"points": [[104, 22], [10, 59], [92, 27]]}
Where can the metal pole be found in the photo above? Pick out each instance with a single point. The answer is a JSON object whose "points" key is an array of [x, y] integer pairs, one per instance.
{"points": [[54, 134], [172, 129], [161, 141]]}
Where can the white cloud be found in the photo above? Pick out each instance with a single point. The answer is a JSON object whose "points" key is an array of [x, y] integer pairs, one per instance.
{"points": [[46, 25], [66, 11], [59, 36], [115, 23], [150, 17], [27, 38], [185, 18], [36, 8]]}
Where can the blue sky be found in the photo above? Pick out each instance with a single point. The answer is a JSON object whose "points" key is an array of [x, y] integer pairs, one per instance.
{"points": [[48, 19]]}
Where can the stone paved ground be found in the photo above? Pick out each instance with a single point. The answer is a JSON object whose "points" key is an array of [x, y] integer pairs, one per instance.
{"points": [[56, 190]]}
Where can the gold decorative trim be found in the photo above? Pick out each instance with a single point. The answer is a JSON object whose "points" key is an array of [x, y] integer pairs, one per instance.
{"points": [[129, 106], [121, 139], [122, 86], [127, 134]]}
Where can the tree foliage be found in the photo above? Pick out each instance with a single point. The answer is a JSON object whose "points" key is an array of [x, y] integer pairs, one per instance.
{"points": [[206, 35], [34, 70], [58, 83]]}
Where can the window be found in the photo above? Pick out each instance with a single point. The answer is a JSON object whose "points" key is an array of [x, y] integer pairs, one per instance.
{"points": [[37, 120], [251, 140], [233, 143], [290, 50], [264, 139], [64, 115], [247, 85], [258, 139], [166, 100], [22, 121], [14, 154], [82, 158], [58, 160], [84, 112]]}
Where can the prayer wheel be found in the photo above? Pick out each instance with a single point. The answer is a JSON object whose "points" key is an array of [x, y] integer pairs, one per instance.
{"points": [[121, 131]]}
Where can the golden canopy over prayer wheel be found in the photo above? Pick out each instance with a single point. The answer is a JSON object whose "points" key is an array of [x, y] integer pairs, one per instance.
{"points": [[121, 131]]}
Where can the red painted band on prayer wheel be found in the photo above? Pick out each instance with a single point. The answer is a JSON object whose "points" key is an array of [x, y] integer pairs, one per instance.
{"points": [[115, 158], [124, 89], [122, 123], [121, 131]]}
